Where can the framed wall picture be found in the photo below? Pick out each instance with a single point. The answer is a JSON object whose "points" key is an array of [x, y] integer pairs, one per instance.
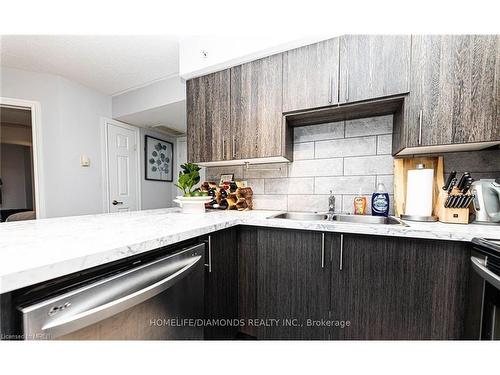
{"points": [[159, 157]]}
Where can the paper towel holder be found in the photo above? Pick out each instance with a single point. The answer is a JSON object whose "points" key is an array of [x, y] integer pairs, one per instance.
{"points": [[417, 217], [401, 167]]}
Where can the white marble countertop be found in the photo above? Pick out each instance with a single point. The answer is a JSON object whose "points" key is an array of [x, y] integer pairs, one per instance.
{"points": [[40, 250]]}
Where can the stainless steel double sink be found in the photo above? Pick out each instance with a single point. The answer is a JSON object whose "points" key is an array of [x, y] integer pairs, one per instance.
{"points": [[345, 218]]}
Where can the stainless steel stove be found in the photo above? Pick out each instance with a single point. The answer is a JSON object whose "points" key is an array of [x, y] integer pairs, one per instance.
{"points": [[484, 322]]}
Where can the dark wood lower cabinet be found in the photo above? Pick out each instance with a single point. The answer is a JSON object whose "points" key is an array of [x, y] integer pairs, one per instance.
{"points": [[400, 288], [289, 284], [247, 279], [221, 284], [293, 280]]}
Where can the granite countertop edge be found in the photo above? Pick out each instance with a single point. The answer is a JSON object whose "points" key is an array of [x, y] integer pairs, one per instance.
{"points": [[50, 248]]}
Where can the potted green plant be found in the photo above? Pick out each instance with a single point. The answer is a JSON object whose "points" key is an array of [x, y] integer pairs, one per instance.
{"points": [[193, 200], [189, 176]]}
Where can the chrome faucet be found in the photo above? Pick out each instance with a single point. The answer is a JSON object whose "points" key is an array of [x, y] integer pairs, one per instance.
{"points": [[331, 203]]}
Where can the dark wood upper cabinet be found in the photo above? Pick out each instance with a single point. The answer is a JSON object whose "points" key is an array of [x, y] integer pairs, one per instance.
{"points": [[256, 109], [373, 66], [450, 84], [310, 76], [399, 288], [454, 92], [293, 281], [208, 117]]}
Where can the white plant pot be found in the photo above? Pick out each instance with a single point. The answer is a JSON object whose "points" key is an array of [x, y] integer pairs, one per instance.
{"points": [[192, 205]]}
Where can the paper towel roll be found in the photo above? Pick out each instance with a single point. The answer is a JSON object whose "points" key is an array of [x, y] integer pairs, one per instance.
{"points": [[419, 189]]}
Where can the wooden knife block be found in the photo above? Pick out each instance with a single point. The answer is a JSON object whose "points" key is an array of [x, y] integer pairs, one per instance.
{"points": [[451, 215], [454, 215]]}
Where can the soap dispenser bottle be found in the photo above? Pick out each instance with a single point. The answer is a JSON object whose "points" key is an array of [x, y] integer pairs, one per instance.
{"points": [[359, 204], [380, 201]]}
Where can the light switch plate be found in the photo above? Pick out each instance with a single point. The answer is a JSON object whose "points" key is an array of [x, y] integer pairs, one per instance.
{"points": [[84, 161]]}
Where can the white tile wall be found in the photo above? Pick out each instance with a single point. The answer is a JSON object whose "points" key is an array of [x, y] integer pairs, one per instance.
{"points": [[319, 132], [289, 185], [368, 165], [303, 151], [314, 168], [270, 202], [346, 147], [343, 156], [345, 184], [368, 126], [384, 144]]}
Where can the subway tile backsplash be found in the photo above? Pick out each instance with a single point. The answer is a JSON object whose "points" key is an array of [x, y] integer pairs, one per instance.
{"points": [[314, 168], [343, 156], [336, 148], [368, 126], [368, 165], [321, 132], [345, 184], [303, 151]]}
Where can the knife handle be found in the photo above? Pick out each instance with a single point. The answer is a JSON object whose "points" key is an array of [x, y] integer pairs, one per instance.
{"points": [[452, 175], [462, 181], [468, 201], [452, 184], [449, 201], [467, 185], [454, 202]]}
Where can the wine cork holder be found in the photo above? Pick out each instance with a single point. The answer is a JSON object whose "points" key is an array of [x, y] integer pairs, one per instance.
{"points": [[240, 199]]}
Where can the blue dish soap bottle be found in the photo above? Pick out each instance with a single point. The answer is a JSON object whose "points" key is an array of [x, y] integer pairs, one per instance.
{"points": [[380, 201]]}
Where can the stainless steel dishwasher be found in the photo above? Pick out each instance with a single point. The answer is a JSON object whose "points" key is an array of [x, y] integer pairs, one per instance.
{"points": [[156, 299]]}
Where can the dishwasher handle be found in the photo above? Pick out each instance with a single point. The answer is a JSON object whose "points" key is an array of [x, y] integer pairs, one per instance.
{"points": [[479, 265], [95, 302]]}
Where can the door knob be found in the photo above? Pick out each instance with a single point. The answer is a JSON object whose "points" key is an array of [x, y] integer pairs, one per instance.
{"points": [[115, 202]]}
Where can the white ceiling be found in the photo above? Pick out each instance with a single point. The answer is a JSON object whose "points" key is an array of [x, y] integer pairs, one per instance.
{"points": [[109, 64], [171, 115]]}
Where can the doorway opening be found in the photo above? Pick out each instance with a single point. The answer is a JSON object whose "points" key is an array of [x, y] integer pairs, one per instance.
{"points": [[121, 167], [17, 177]]}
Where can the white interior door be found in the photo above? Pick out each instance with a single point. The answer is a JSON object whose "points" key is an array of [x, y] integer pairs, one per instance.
{"points": [[122, 165]]}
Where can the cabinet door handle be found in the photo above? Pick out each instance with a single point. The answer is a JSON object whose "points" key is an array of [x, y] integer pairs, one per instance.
{"points": [[223, 148], [234, 147], [420, 118], [209, 264], [347, 85], [336, 91], [330, 89], [322, 250], [341, 250]]}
